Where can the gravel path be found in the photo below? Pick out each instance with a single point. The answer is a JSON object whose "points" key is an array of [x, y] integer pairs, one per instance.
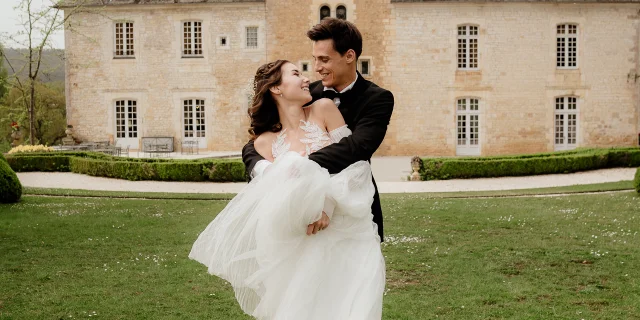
{"points": [[386, 183]]}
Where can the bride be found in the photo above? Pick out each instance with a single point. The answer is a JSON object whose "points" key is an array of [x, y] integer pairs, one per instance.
{"points": [[259, 242]]}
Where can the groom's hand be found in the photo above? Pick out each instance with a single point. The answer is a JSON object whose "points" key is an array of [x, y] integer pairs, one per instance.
{"points": [[321, 224]]}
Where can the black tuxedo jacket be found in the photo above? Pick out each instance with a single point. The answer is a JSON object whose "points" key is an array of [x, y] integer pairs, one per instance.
{"points": [[366, 109]]}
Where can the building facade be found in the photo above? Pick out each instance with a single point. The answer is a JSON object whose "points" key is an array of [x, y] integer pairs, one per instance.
{"points": [[469, 78]]}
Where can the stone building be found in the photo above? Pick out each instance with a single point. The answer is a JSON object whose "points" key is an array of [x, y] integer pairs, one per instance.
{"points": [[469, 78]]}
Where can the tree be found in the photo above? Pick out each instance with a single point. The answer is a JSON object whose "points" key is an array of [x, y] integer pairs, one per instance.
{"points": [[3, 75], [50, 112], [38, 26]]}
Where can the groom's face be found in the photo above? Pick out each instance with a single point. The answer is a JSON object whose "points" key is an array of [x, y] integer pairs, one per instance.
{"points": [[330, 65]]}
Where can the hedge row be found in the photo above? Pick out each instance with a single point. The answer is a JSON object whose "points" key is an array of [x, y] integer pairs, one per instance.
{"points": [[522, 165], [636, 181], [10, 186], [101, 165]]}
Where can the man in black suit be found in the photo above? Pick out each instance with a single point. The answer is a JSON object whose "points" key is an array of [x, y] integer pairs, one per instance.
{"points": [[366, 108]]}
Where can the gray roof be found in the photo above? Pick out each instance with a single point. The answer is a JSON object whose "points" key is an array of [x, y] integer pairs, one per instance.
{"points": [[549, 1], [72, 3]]}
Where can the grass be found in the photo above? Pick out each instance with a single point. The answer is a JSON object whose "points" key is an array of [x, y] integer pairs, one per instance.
{"points": [[572, 257], [608, 186]]}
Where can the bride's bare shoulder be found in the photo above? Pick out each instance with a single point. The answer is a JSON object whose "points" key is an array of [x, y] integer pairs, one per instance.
{"points": [[321, 105], [263, 144], [325, 111]]}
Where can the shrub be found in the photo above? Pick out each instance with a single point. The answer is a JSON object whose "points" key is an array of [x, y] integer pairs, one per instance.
{"points": [[518, 165], [39, 163], [2, 158], [101, 165], [30, 148], [636, 181], [10, 186]]}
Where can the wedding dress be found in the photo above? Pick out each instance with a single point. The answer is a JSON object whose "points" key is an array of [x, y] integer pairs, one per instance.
{"points": [[258, 243]]}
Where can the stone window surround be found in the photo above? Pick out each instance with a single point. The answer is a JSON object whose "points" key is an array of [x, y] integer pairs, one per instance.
{"points": [[134, 36], [333, 10], [577, 36], [301, 64], [177, 119], [467, 150], [194, 125], [576, 111], [467, 53], [202, 37], [359, 66], [110, 98], [227, 45], [261, 38]]}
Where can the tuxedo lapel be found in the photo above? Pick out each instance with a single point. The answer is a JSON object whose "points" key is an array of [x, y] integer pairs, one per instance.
{"points": [[351, 101]]}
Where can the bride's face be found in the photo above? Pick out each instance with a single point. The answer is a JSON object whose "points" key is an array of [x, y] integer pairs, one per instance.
{"points": [[294, 86]]}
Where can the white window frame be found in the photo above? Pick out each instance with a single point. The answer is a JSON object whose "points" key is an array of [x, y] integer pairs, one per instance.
{"points": [[567, 110], [466, 37], [467, 149], [246, 37], [126, 36], [564, 39], [193, 46], [131, 123], [199, 128]]}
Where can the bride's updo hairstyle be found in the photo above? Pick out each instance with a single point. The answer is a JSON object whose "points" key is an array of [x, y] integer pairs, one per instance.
{"points": [[263, 111]]}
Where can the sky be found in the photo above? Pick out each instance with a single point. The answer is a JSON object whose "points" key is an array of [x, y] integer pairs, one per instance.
{"points": [[10, 23]]}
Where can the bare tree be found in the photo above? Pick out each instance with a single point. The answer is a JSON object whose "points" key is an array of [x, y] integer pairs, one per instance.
{"points": [[39, 20]]}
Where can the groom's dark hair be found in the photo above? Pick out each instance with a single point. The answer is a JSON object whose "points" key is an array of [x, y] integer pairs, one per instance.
{"points": [[345, 35]]}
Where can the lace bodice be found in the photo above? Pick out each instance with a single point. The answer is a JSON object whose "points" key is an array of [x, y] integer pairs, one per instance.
{"points": [[315, 138]]}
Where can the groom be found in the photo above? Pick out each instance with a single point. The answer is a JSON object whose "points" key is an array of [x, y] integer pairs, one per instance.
{"points": [[366, 108]]}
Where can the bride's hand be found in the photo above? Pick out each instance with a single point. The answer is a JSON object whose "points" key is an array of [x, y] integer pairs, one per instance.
{"points": [[321, 224]]}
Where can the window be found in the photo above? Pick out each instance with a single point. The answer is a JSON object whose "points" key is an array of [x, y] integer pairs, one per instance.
{"points": [[467, 47], [223, 41], [325, 11], [194, 124], [566, 123], [126, 119], [468, 126], [305, 67], [124, 40], [567, 46], [252, 37], [341, 12], [192, 39], [364, 67]]}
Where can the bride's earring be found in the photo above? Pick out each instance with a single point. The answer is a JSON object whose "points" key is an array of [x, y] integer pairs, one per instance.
{"points": [[281, 95]]}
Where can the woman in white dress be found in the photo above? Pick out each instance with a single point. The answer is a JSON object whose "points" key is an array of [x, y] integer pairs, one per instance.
{"points": [[259, 242]]}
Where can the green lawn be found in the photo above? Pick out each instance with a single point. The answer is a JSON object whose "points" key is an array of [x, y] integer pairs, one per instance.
{"points": [[568, 257]]}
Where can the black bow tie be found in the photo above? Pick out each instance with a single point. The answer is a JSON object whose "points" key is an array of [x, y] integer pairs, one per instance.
{"points": [[330, 94]]}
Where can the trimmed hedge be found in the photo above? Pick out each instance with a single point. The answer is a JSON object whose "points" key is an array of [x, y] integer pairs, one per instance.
{"points": [[101, 165], [10, 186], [636, 181], [2, 158], [533, 164]]}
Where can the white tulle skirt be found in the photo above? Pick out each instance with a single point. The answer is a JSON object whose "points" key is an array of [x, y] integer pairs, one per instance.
{"points": [[258, 243]]}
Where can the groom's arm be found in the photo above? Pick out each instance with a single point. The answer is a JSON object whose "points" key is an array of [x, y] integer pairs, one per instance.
{"points": [[367, 136], [251, 159]]}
